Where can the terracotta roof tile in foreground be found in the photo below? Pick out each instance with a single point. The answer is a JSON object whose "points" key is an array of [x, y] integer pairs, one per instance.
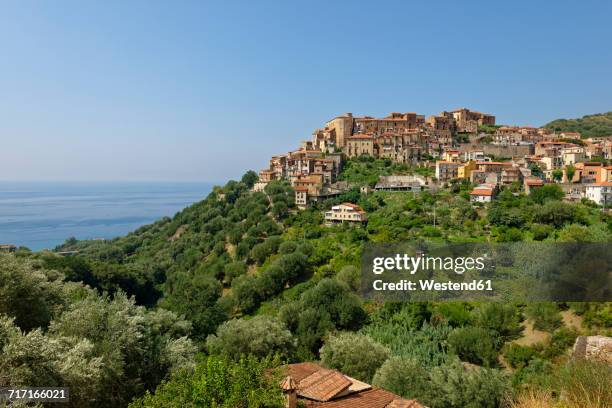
{"points": [[300, 371], [323, 385], [374, 398]]}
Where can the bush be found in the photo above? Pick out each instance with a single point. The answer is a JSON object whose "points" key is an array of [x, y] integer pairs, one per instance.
{"points": [[453, 386], [402, 376], [233, 270], [519, 356], [545, 315], [474, 345], [561, 340], [556, 213], [219, 382], [287, 247], [546, 193], [455, 313], [503, 318], [350, 276], [354, 354], [541, 231], [259, 336]]}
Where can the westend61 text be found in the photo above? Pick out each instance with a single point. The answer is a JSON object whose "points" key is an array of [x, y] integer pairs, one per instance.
{"points": [[432, 285]]}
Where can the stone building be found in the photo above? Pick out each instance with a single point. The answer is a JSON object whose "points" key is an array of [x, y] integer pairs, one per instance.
{"points": [[468, 121], [359, 144]]}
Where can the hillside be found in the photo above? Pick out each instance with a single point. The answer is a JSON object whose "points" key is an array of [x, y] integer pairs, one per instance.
{"points": [[596, 125], [253, 275]]}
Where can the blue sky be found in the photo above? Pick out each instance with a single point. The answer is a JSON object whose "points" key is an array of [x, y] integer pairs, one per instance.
{"points": [[180, 90]]}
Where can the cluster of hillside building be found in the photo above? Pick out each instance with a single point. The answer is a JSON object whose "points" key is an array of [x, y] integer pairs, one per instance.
{"points": [[459, 145]]}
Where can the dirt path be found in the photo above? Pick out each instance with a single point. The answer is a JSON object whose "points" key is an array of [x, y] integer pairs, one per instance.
{"points": [[571, 320]]}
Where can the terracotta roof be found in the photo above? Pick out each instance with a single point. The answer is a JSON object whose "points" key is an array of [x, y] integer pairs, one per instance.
{"points": [[534, 182], [404, 403], [603, 184], [353, 206], [302, 370], [374, 398], [300, 188], [482, 192], [323, 385]]}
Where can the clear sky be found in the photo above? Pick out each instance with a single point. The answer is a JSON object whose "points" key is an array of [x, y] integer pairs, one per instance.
{"points": [[180, 90]]}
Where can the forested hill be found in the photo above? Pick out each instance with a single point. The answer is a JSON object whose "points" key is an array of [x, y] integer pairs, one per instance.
{"points": [[596, 125], [246, 273]]}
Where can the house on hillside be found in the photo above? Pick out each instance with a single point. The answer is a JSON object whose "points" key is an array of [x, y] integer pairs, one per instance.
{"points": [[600, 193], [415, 184], [345, 212], [7, 248], [532, 183], [315, 386], [484, 193]]}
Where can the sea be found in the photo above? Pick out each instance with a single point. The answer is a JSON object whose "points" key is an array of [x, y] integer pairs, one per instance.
{"points": [[41, 215]]}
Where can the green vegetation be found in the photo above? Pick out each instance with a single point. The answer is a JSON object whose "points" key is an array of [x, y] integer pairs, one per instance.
{"points": [[64, 334], [354, 354], [249, 282], [366, 170], [588, 126], [219, 382]]}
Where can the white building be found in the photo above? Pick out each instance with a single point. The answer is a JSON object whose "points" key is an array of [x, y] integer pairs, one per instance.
{"points": [[573, 155], [301, 197], [345, 212], [482, 194], [600, 193]]}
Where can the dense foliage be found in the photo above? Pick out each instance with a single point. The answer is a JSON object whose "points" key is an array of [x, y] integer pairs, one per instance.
{"points": [[242, 276], [588, 126], [222, 383]]}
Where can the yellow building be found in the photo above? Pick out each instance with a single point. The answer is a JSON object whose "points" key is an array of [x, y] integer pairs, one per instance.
{"points": [[465, 171]]}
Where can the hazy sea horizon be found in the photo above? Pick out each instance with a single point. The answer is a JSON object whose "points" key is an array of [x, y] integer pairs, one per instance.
{"points": [[42, 215]]}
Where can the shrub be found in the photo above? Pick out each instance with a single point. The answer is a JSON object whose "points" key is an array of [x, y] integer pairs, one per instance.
{"points": [[474, 344], [259, 336], [350, 276], [545, 315], [541, 231], [519, 356], [453, 386], [287, 247], [556, 213], [354, 354], [455, 313], [402, 376], [219, 382], [233, 270], [562, 339], [503, 318]]}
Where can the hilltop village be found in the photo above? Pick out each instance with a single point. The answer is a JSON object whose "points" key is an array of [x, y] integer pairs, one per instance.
{"points": [[457, 146]]}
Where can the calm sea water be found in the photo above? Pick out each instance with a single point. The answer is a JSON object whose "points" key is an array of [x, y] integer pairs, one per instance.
{"points": [[42, 215]]}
